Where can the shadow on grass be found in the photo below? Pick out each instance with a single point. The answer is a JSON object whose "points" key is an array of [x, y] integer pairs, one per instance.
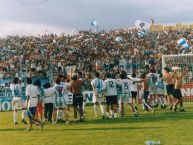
{"points": [[105, 128], [157, 117], [12, 129]]}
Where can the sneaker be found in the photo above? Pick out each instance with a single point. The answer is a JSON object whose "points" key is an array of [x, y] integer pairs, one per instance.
{"points": [[67, 122], [16, 123], [53, 122], [164, 106], [182, 110], [153, 111], [45, 120], [60, 121], [81, 119], [103, 117], [75, 120], [115, 115], [23, 120], [29, 129], [174, 108], [41, 125], [170, 107], [135, 115]]}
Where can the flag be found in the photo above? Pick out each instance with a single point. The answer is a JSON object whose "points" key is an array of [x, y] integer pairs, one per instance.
{"points": [[186, 46], [141, 33], [94, 23], [118, 39], [181, 41]]}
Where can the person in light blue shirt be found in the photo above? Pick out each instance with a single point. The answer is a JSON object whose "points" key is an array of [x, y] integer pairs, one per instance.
{"points": [[98, 97]]}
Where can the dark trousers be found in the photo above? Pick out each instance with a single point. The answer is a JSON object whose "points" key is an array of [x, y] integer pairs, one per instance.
{"points": [[146, 104], [48, 110]]}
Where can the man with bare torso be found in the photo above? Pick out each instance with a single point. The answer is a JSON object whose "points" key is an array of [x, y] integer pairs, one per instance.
{"points": [[76, 89], [169, 81], [178, 75]]}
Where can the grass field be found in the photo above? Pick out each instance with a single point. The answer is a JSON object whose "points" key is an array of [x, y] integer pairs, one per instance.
{"points": [[168, 127]]}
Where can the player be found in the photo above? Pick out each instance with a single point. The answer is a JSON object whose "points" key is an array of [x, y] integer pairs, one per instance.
{"points": [[169, 81], [134, 89], [153, 78], [146, 92], [39, 113], [125, 96], [98, 98], [110, 87], [60, 101], [161, 91], [17, 102], [31, 105], [76, 89], [178, 75], [60, 111], [49, 95]]}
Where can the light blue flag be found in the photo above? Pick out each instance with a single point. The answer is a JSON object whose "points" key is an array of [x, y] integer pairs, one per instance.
{"points": [[141, 33], [94, 23], [186, 46], [181, 41]]}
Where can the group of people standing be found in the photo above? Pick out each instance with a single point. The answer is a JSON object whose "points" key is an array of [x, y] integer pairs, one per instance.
{"points": [[111, 93]]}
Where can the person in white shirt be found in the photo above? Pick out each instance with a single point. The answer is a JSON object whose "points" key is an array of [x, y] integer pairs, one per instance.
{"points": [[31, 105], [17, 102], [134, 89], [110, 87], [49, 95], [153, 78], [98, 98], [125, 96], [60, 100], [60, 111]]}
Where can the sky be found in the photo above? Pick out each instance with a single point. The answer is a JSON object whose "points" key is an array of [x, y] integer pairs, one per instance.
{"points": [[32, 17]]}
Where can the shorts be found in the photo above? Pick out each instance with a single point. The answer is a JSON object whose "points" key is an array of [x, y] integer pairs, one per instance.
{"points": [[152, 90], [17, 103], [98, 99], [177, 94], [160, 91], [31, 112], [125, 98], [77, 100], [134, 94], [170, 89], [60, 103], [111, 100]]}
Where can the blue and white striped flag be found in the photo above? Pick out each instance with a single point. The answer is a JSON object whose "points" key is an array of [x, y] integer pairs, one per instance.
{"points": [[186, 46], [181, 41]]}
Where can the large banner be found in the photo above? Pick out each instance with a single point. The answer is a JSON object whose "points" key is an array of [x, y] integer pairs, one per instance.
{"points": [[6, 98], [185, 62]]}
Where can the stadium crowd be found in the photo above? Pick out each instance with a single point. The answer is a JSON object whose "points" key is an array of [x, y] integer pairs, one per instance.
{"points": [[100, 62], [86, 50]]}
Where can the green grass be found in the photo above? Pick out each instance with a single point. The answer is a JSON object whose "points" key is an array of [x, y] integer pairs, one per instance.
{"points": [[168, 127]]}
